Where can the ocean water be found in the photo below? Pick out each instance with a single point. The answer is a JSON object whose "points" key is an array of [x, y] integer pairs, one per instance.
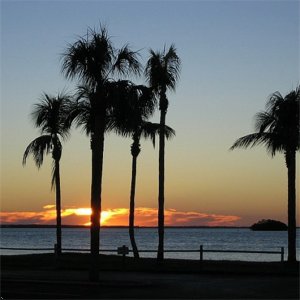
{"points": [[147, 239]]}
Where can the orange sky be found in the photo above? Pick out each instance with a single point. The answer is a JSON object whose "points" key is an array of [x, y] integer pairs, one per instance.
{"points": [[118, 217]]}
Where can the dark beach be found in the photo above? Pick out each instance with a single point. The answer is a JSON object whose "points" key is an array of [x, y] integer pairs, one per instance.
{"points": [[43, 276]]}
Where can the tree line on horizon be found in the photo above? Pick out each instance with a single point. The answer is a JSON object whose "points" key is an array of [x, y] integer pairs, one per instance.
{"points": [[107, 100]]}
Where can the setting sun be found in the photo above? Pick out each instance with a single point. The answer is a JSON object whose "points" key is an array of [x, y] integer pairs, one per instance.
{"points": [[105, 215], [83, 211]]}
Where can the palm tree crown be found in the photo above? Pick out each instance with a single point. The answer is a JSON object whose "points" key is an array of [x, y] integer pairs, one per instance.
{"points": [[162, 72], [49, 115], [134, 105], [94, 60], [130, 114], [163, 68], [277, 128]]}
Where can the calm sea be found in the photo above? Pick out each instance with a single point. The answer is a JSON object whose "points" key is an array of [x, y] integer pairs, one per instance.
{"points": [[146, 238]]}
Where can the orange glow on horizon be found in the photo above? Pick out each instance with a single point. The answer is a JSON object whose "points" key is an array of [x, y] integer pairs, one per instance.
{"points": [[144, 216]]}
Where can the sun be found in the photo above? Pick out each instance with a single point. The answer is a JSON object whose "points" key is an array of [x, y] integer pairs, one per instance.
{"points": [[105, 215], [83, 211]]}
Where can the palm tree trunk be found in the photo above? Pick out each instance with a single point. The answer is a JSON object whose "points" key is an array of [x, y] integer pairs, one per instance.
{"points": [[291, 164], [97, 145], [58, 207], [161, 187], [131, 210]]}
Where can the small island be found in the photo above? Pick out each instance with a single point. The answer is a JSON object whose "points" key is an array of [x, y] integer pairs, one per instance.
{"points": [[269, 225]]}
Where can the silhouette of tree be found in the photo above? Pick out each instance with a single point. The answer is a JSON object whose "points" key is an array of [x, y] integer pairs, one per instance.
{"points": [[49, 115], [268, 225], [95, 62], [131, 120], [277, 129], [162, 72]]}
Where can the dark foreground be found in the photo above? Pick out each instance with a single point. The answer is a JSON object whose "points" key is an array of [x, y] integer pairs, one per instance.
{"points": [[44, 277]]}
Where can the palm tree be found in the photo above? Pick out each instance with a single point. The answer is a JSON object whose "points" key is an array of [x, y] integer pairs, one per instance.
{"points": [[130, 118], [146, 130], [162, 72], [49, 115], [277, 129], [95, 62]]}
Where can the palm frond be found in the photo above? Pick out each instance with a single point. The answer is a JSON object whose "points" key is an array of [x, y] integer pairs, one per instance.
{"points": [[90, 58], [277, 127], [246, 141], [50, 114], [274, 101], [84, 92], [263, 121], [127, 62], [169, 132], [74, 59], [81, 114], [38, 148], [153, 69], [93, 59], [145, 101], [272, 144], [172, 63], [131, 105], [151, 130]]}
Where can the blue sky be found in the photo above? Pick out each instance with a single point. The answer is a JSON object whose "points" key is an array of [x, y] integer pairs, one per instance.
{"points": [[234, 55]]}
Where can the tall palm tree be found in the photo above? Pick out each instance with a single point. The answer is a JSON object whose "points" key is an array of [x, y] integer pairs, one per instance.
{"points": [[162, 72], [95, 62], [277, 129], [49, 115], [130, 119]]}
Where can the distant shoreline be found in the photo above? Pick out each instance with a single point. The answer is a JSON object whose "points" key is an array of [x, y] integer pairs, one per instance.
{"points": [[84, 226]]}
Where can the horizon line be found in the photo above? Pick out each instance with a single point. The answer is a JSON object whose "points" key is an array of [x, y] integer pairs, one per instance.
{"points": [[111, 226]]}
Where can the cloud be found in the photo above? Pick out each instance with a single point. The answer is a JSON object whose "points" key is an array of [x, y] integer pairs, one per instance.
{"points": [[144, 216], [49, 206]]}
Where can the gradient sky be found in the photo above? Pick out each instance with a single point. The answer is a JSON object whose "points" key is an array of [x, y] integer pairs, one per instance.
{"points": [[234, 55]]}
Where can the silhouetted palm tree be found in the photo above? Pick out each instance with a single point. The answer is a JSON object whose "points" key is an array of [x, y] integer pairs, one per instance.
{"points": [[95, 62], [49, 115], [278, 130], [130, 119], [162, 71]]}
